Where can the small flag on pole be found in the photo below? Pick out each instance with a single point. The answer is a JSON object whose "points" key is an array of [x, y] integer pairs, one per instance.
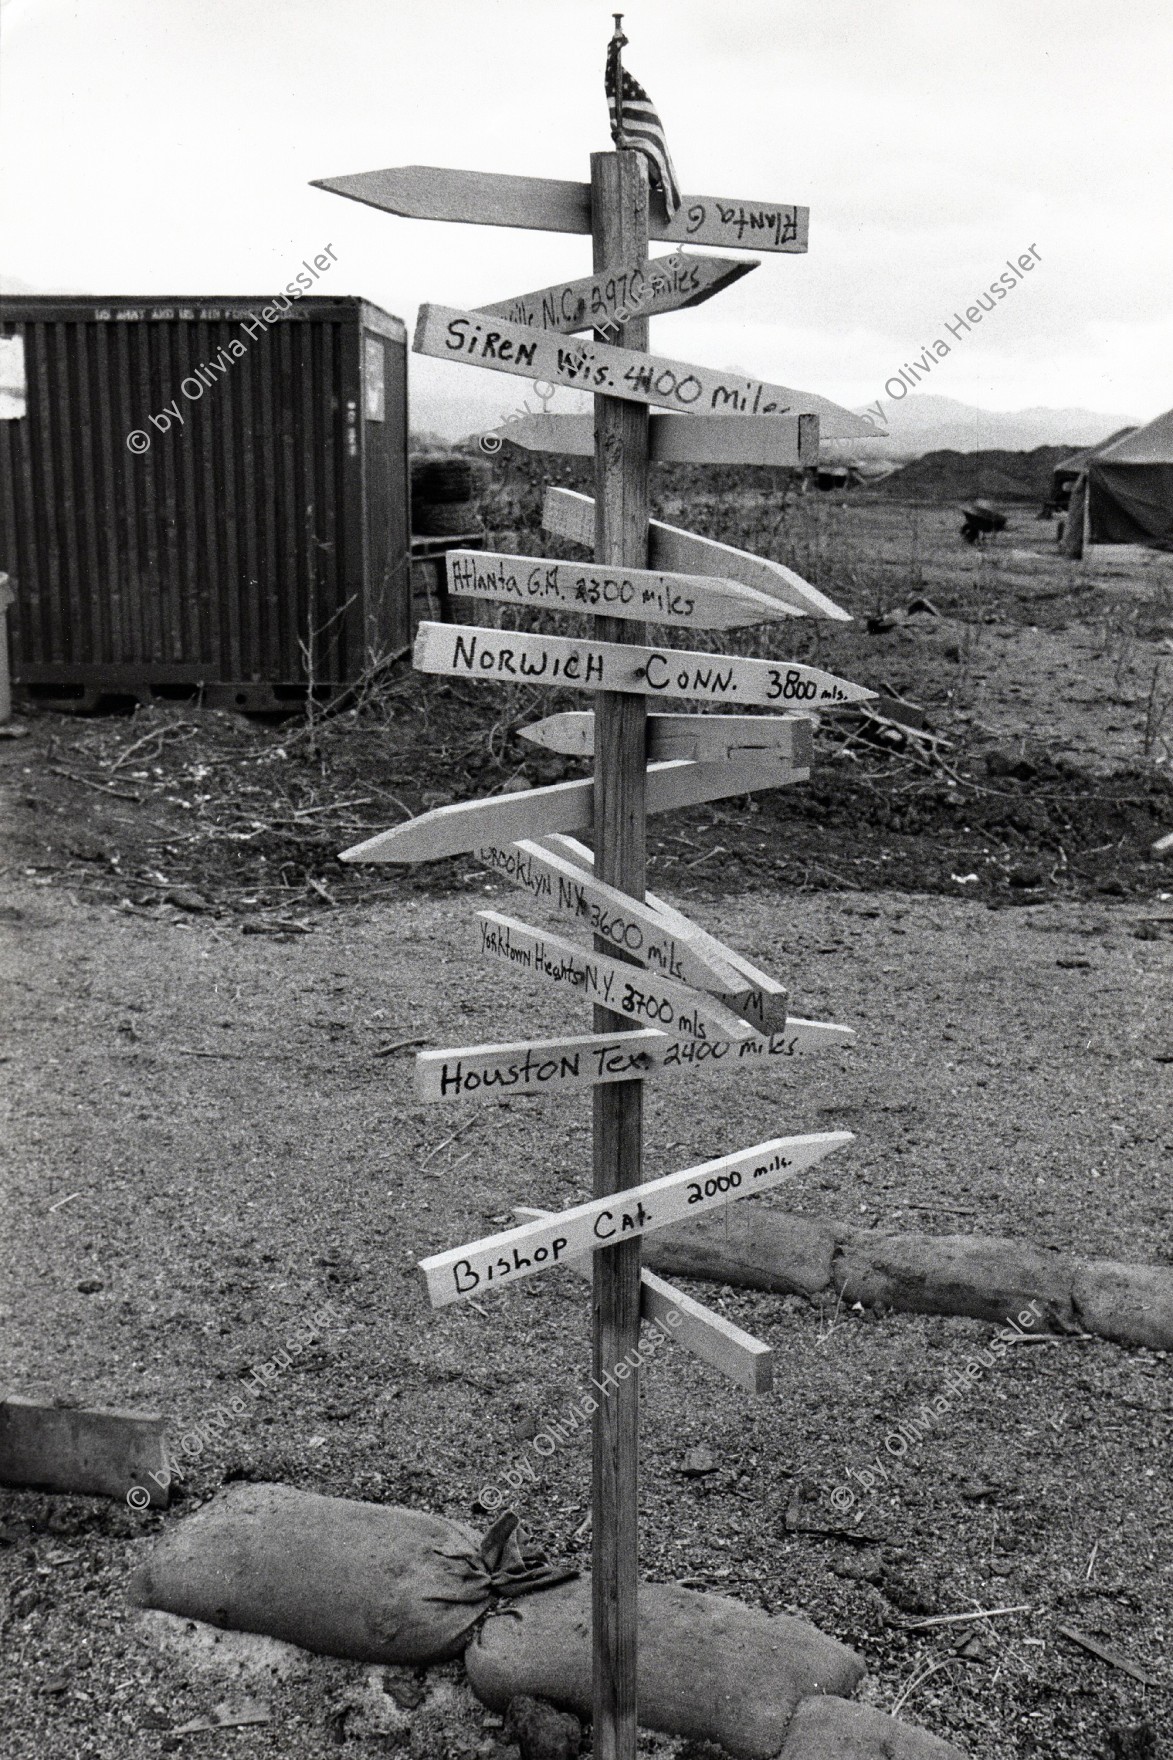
{"points": [[634, 122]]}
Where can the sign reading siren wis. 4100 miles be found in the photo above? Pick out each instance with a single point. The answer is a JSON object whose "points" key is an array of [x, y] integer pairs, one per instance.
{"points": [[670, 998]]}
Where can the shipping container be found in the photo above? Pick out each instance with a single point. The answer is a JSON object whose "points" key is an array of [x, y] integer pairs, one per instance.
{"points": [[197, 498]]}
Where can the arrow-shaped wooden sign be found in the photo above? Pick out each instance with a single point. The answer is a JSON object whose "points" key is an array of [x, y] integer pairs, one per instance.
{"points": [[452, 334], [753, 440], [568, 514], [681, 952], [665, 284], [521, 656], [546, 204], [705, 738], [563, 806], [768, 994], [641, 594], [641, 995], [709, 1336], [586, 1060], [516, 1253], [627, 924]]}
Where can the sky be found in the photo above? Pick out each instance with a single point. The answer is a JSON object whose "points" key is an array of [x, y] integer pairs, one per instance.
{"points": [[167, 146]]}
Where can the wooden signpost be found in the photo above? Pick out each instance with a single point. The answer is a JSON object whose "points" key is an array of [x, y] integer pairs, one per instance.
{"points": [[570, 515], [668, 997], [760, 440], [451, 334], [641, 594], [665, 284], [463, 651]]}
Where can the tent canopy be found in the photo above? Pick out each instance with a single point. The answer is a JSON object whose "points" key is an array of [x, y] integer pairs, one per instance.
{"points": [[1068, 468], [1130, 488]]}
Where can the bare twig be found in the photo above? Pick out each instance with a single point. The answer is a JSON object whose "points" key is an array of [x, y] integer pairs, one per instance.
{"points": [[1112, 1657]]}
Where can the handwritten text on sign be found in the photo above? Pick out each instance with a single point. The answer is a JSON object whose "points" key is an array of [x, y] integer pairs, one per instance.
{"points": [[547, 204], [616, 666], [451, 334], [642, 594], [535, 1246], [487, 1072], [626, 923], [629, 990], [666, 284]]}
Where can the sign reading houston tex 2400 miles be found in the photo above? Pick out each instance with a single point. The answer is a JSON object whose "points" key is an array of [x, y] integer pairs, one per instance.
{"points": [[468, 652], [535, 1246]]}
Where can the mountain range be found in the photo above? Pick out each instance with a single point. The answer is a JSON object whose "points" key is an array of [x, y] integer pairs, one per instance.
{"points": [[923, 423]]}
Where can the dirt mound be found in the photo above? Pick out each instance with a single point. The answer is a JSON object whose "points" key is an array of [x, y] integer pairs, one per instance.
{"points": [[963, 476]]}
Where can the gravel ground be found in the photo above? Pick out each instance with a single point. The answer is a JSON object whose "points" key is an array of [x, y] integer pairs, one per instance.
{"points": [[203, 1125]]}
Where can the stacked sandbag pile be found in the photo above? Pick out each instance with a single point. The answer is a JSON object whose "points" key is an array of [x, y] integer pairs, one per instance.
{"points": [[379, 1584], [445, 496]]}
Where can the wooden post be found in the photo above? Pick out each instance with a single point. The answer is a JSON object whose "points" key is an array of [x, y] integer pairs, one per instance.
{"points": [[619, 207]]}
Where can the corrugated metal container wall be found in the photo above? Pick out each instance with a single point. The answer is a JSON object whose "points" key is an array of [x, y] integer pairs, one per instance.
{"points": [[194, 497]]}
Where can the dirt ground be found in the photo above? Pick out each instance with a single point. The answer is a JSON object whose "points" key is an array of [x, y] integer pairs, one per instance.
{"points": [[211, 1131]]}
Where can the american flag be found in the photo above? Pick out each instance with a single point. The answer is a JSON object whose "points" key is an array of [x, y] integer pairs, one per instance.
{"points": [[634, 123]]}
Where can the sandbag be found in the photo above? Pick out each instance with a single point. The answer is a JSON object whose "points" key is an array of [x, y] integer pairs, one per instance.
{"points": [[1130, 1304], [831, 1729], [366, 1581], [983, 1277], [709, 1668], [749, 1247]]}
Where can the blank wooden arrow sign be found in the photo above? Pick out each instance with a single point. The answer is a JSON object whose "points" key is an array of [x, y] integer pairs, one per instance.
{"points": [[642, 594], [705, 738], [665, 284], [451, 334], [709, 1336], [568, 514], [546, 204], [563, 806], [768, 1007], [753, 440], [464, 651], [586, 1060], [536, 1246], [643, 996]]}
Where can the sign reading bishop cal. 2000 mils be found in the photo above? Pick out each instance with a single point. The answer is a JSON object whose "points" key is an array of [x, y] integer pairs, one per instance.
{"points": [[520, 1252]]}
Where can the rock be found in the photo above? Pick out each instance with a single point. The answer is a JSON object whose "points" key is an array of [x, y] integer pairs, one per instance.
{"points": [[710, 1668], [1028, 875], [186, 898], [544, 1733], [1131, 1741], [833, 1729], [1010, 764], [697, 1462]]}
